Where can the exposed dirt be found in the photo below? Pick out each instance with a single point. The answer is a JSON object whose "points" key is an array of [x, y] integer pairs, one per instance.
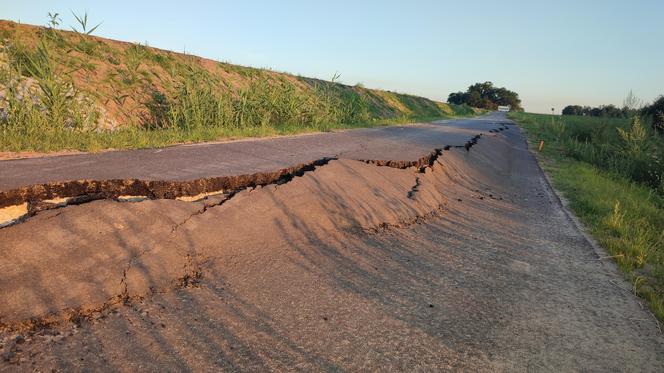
{"points": [[22, 155], [466, 261]]}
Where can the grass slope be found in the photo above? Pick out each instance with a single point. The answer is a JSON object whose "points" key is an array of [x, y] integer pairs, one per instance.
{"points": [[67, 90], [610, 171]]}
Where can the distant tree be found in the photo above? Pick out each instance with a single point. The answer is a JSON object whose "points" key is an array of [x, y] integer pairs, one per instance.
{"points": [[610, 111], [632, 106], [486, 96], [457, 98], [656, 110], [573, 110], [475, 99]]}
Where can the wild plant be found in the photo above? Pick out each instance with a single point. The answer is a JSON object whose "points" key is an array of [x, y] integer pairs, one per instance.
{"points": [[55, 92], [557, 128], [83, 24], [616, 219], [135, 56], [634, 140], [48, 100], [85, 45]]}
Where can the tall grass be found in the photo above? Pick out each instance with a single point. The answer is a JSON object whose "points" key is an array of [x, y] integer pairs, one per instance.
{"points": [[46, 104], [625, 147], [610, 170], [265, 102], [145, 97]]}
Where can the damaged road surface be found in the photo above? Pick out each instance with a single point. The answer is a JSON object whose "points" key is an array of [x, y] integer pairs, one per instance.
{"points": [[198, 169], [454, 254]]}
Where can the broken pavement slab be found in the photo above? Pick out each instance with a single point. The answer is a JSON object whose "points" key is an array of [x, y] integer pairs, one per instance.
{"points": [[152, 245]]}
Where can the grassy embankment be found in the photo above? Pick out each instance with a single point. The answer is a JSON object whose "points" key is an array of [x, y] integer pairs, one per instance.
{"points": [[69, 90], [612, 173]]}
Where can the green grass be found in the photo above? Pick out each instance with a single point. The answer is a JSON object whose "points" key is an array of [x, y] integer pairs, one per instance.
{"points": [[65, 91], [598, 170], [628, 148], [138, 137]]}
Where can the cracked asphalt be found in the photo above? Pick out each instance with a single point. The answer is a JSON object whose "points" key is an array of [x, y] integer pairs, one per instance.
{"points": [[470, 263], [188, 162]]}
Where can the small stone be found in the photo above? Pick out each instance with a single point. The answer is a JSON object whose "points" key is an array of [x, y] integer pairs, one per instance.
{"points": [[9, 351], [8, 354]]}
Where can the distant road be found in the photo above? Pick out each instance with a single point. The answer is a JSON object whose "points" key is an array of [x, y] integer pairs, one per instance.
{"points": [[193, 161]]}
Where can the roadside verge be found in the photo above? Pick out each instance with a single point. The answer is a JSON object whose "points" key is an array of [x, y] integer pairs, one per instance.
{"points": [[622, 220]]}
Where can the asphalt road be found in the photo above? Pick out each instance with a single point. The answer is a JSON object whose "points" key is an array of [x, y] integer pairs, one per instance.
{"points": [[189, 162], [472, 264]]}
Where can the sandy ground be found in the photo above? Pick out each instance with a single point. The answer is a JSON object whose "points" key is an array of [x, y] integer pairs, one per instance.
{"points": [[472, 264]]}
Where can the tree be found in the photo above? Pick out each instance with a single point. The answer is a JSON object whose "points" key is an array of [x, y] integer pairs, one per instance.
{"points": [[486, 96], [631, 107], [656, 110], [610, 111], [458, 98], [573, 110]]}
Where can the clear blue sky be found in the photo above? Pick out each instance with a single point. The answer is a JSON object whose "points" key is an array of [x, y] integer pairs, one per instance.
{"points": [[553, 53]]}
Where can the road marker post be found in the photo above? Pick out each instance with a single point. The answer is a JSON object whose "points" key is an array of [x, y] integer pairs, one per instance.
{"points": [[541, 145]]}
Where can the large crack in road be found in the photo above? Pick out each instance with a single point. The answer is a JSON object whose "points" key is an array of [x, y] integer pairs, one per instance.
{"points": [[27, 201], [242, 183]]}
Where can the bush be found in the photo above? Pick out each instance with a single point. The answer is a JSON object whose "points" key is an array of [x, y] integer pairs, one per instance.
{"points": [[656, 111]]}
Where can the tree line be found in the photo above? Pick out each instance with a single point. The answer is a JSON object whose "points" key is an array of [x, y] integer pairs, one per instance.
{"points": [[486, 96], [631, 107], [608, 111]]}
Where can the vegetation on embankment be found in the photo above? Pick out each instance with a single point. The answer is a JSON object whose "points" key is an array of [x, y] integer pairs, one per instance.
{"points": [[611, 170], [70, 90]]}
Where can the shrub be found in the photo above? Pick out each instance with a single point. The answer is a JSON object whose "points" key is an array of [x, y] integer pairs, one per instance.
{"points": [[656, 111]]}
